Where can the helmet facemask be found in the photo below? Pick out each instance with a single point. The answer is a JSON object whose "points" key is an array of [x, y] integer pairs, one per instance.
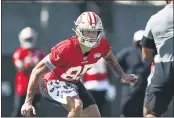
{"points": [[28, 43], [87, 41]]}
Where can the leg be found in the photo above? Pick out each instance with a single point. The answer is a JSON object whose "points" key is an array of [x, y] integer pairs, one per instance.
{"points": [[134, 106], [99, 97], [159, 92], [145, 113], [135, 99], [18, 101], [90, 108], [155, 103], [91, 111], [64, 94], [75, 106]]}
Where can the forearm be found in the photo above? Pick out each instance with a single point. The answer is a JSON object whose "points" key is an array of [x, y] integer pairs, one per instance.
{"points": [[32, 86], [114, 64], [116, 67]]}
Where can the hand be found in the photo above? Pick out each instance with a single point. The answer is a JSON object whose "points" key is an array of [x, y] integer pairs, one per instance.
{"points": [[27, 108], [131, 78], [124, 81], [111, 93]]}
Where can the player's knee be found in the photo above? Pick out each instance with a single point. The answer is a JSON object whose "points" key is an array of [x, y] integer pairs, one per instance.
{"points": [[78, 105], [75, 104]]}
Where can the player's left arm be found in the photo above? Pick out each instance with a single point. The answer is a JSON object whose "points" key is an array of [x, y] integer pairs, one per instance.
{"points": [[114, 64]]}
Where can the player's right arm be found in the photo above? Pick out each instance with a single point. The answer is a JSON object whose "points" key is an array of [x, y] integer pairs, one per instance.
{"points": [[36, 73], [40, 69], [49, 63]]}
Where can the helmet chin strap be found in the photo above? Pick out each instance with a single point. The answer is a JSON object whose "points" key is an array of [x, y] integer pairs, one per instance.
{"points": [[84, 48], [80, 40], [84, 41]]}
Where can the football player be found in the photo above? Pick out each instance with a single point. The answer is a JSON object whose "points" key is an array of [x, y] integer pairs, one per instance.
{"points": [[159, 91], [25, 58], [64, 66]]}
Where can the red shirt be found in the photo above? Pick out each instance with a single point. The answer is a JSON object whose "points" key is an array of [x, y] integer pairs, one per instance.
{"points": [[70, 62], [29, 58], [98, 72]]}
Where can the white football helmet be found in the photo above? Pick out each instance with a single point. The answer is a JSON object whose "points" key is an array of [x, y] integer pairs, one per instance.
{"points": [[88, 21], [138, 35], [27, 38]]}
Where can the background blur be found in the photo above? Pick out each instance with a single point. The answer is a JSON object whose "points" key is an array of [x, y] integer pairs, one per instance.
{"points": [[54, 21]]}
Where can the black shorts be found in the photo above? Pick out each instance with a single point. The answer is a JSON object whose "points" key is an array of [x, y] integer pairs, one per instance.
{"points": [[99, 97], [160, 89], [82, 92]]}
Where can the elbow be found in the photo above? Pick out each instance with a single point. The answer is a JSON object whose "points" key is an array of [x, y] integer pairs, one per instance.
{"points": [[35, 72]]}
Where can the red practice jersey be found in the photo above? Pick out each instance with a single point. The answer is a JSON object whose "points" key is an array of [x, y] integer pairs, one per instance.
{"points": [[98, 72], [67, 61], [96, 78], [26, 58]]}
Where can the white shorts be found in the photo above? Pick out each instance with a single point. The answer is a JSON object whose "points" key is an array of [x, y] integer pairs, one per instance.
{"points": [[59, 90]]}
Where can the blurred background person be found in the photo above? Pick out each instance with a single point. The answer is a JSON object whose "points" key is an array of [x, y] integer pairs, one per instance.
{"points": [[131, 62], [25, 58], [98, 81]]}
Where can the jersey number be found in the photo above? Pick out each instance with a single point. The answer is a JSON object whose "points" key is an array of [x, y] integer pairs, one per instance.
{"points": [[75, 73]]}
